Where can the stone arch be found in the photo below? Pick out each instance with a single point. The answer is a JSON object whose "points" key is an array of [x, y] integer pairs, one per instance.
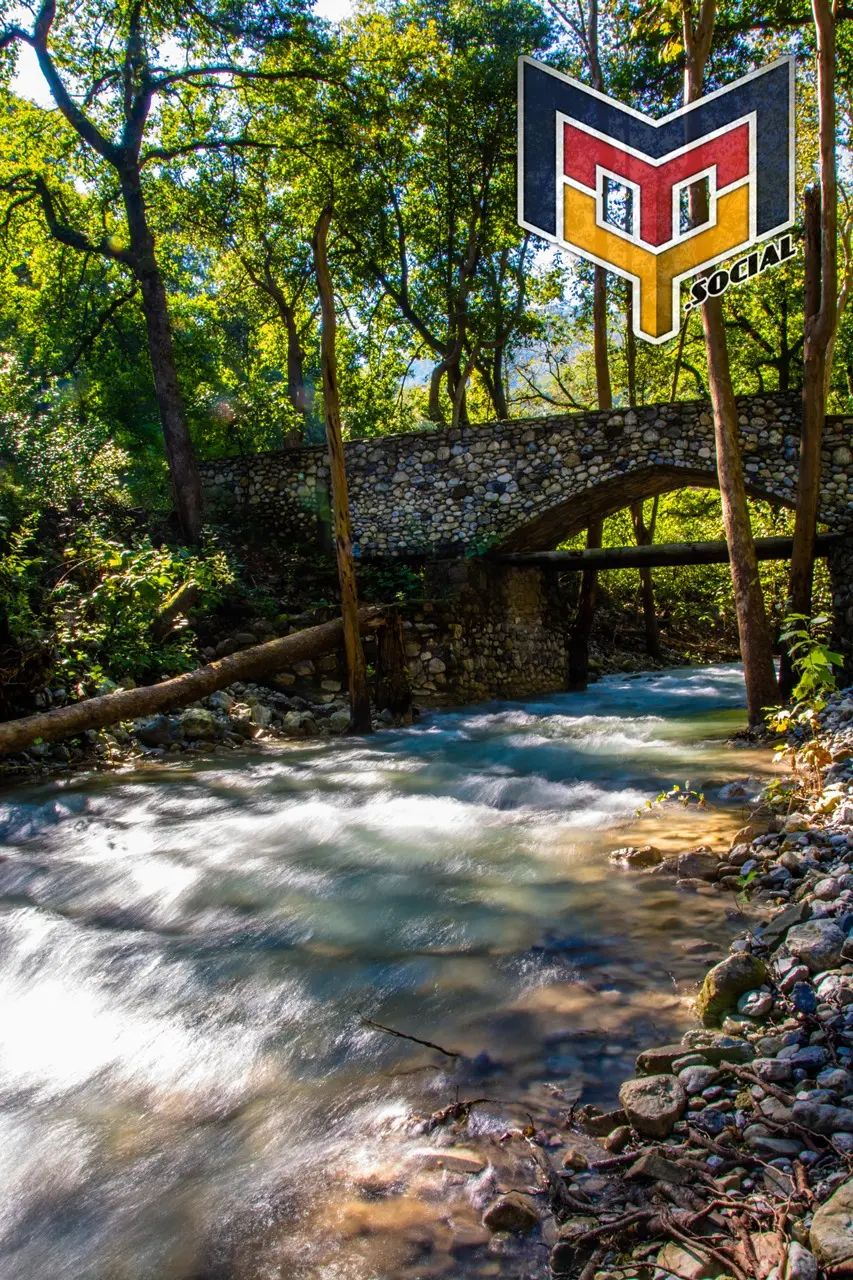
{"points": [[572, 515]]}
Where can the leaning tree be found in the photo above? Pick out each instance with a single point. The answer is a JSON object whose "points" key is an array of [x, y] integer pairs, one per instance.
{"points": [[143, 89]]}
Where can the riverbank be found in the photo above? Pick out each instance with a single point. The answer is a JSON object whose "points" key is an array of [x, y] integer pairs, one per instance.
{"points": [[307, 701], [730, 1152]]}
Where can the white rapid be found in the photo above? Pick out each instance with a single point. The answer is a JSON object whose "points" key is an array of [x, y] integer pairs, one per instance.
{"points": [[187, 1088]]}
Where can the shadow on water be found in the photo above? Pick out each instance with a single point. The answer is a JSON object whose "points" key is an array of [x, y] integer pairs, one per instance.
{"points": [[186, 1087]]}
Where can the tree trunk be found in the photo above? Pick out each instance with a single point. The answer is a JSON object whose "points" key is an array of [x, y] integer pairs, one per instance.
{"points": [[356, 666], [643, 535], [393, 692], [297, 391], [495, 384], [821, 319], [584, 617], [183, 469], [808, 483], [755, 640], [660, 554], [599, 322], [128, 704]]}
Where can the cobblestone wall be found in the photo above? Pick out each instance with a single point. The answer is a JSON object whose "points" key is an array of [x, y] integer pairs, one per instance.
{"points": [[526, 485], [501, 634], [496, 631]]}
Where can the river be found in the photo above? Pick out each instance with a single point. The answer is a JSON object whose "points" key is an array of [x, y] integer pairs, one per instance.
{"points": [[187, 953]]}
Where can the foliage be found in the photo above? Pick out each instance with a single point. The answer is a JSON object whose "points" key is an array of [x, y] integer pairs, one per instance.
{"points": [[685, 796], [814, 664], [105, 604], [79, 589]]}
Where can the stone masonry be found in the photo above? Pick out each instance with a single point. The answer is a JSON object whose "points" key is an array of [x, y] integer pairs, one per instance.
{"points": [[526, 485], [490, 631]]}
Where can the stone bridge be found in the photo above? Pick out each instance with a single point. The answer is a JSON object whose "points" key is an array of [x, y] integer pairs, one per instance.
{"points": [[527, 485]]}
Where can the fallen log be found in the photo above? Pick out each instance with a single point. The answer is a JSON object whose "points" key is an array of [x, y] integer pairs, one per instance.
{"points": [[128, 704], [659, 555]]}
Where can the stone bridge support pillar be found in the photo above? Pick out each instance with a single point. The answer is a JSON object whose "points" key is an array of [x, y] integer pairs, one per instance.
{"points": [[841, 577], [489, 631]]}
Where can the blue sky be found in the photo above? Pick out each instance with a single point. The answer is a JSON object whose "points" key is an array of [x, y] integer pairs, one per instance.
{"points": [[29, 82]]}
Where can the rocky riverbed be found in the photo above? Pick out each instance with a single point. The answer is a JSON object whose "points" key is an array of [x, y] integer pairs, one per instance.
{"points": [[730, 1153]]}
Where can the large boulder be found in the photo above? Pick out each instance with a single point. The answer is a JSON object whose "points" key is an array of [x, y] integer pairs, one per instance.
{"points": [[726, 982], [637, 857], [831, 1234], [158, 731], [201, 725], [817, 943], [774, 931], [822, 1118], [698, 864], [653, 1104]]}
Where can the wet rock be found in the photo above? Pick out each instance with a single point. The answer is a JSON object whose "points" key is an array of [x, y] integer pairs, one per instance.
{"points": [[801, 1263], [219, 700], [618, 1139], [467, 1236], [637, 857], [653, 1165], [658, 1061], [456, 1159], [513, 1212], [261, 715], [831, 1233], [817, 943], [653, 1104], [726, 982], [575, 1159], [773, 1070], [698, 864], [599, 1123], [755, 1004], [158, 731], [822, 1118], [565, 1255], [695, 1079], [199, 724], [803, 997], [810, 1057], [339, 721], [774, 931], [682, 1262], [242, 726]]}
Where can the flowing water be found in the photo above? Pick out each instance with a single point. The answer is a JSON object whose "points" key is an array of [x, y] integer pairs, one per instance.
{"points": [[187, 954]]}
